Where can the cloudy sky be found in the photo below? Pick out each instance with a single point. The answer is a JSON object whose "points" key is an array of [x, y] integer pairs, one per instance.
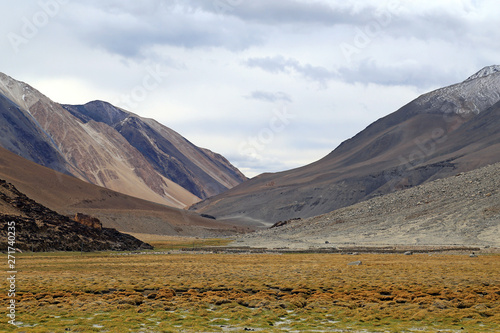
{"points": [[271, 85]]}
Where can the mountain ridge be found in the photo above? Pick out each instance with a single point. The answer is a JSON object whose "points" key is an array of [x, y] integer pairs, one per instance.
{"points": [[174, 157], [92, 150], [448, 130]]}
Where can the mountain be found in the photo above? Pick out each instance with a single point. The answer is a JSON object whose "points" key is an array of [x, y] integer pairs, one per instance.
{"points": [[459, 210], [110, 147], [441, 133], [68, 196], [20, 134], [38, 228], [200, 171]]}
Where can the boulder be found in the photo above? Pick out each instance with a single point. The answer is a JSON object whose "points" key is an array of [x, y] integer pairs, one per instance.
{"points": [[88, 221]]}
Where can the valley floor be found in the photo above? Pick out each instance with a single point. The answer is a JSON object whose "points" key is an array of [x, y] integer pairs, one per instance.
{"points": [[171, 291]]}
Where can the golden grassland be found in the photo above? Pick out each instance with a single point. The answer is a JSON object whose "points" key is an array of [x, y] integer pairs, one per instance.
{"points": [[110, 292]]}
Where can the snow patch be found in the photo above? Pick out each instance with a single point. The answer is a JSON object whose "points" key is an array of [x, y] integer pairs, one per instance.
{"points": [[477, 93], [488, 70]]}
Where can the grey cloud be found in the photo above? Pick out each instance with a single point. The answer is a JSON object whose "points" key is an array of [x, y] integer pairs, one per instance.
{"points": [[129, 29], [405, 20], [418, 75], [275, 65], [438, 25], [131, 43], [270, 97], [287, 11], [280, 64]]}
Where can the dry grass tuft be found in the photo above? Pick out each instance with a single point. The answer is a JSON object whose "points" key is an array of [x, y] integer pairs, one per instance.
{"points": [[274, 293]]}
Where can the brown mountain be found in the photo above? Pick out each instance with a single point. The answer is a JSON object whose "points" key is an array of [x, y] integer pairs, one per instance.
{"points": [[441, 133], [68, 195], [200, 171], [110, 147]]}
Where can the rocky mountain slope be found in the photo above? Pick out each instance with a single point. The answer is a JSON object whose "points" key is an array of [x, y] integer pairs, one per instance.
{"points": [[38, 228], [69, 195], [198, 170], [441, 133], [93, 150], [20, 135], [460, 210]]}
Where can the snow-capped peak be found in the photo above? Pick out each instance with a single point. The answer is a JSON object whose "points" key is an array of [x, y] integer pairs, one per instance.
{"points": [[488, 70]]}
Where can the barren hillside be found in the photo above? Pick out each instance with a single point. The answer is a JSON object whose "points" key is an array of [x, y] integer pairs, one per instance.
{"points": [[460, 210]]}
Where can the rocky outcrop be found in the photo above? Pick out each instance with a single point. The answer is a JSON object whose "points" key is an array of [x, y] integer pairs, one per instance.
{"points": [[89, 221], [38, 228]]}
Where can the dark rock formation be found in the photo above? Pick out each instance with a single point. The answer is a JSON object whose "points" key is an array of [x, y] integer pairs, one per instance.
{"points": [[38, 228]]}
